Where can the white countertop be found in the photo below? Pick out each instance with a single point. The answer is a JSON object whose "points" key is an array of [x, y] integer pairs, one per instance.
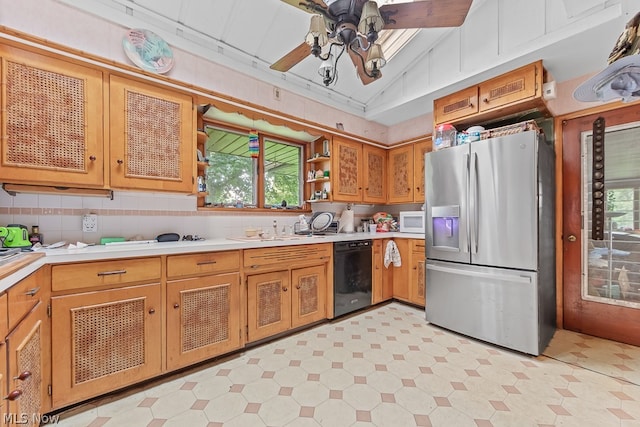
{"points": [[105, 252]]}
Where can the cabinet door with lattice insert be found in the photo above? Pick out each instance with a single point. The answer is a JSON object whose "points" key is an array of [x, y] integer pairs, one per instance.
{"points": [[203, 318], [419, 150], [52, 121], [309, 297], [27, 358], [375, 174], [268, 304], [346, 171], [153, 138], [401, 174], [105, 340]]}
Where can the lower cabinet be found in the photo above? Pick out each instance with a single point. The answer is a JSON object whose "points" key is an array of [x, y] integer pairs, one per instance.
{"points": [[409, 279], [401, 277], [203, 318], [105, 340], [288, 295], [382, 286]]}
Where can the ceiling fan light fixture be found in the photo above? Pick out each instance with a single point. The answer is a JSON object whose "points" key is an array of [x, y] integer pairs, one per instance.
{"points": [[317, 35], [375, 60], [370, 21], [327, 70]]}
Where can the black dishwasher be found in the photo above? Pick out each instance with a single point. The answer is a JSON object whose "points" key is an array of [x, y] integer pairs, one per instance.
{"points": [[352, 276]]}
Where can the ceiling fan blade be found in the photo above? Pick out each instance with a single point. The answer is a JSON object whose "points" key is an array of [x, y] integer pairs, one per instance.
{"points": [[311, 6], [292, 58], [360, 68], [425, 14]]}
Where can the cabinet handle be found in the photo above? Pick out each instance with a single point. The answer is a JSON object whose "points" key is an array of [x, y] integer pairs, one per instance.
{"points": [[92, 158], [111, 273], [486, 101], [298, 286], [23, 376], [32, 292], [176, 305], [206, 262], [255, 266], [324, 257], [14, 395], [119, 161], [152, 311], [285, 289]]}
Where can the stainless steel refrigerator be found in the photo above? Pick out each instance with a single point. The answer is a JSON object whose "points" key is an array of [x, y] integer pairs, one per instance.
{"points": [[490, 271]]}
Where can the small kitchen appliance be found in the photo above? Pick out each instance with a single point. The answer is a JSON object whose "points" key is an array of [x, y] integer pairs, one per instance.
{"points": [[14, 236], [412, 222]]}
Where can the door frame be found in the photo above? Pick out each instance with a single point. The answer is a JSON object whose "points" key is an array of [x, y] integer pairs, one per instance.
{"points": [[559, 122]]}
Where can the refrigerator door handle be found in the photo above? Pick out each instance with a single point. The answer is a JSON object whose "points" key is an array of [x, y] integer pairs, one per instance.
{"points": [[474, 273], [465, 170], [474, 206]]}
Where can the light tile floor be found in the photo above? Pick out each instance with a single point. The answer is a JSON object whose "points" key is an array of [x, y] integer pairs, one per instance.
{"points": [[389, 367]]}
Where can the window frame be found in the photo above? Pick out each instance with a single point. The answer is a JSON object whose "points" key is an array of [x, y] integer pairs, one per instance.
{"points": [[259, 186]]}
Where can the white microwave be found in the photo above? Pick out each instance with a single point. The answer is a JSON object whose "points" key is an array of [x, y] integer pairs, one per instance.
{"points": [[412, 222]]}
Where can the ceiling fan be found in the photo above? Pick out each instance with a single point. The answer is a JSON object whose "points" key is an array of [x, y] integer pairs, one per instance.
{"points": [[353, 26]]}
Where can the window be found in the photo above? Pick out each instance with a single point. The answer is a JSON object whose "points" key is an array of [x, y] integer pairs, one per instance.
{"points": [[235, 178]]}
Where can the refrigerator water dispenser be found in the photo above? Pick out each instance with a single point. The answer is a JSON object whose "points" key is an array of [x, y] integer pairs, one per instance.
{"points": [[446, 234]]}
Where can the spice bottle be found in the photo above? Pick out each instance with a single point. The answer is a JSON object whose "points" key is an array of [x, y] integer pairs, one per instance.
{"points": [[35, 236]]}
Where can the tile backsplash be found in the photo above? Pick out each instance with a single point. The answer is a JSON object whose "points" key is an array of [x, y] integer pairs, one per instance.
{"points": [[144, 215]]}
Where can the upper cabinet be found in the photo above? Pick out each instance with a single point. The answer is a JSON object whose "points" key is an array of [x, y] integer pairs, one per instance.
{"points": [[420, 148], [52, 121], [375, 174], [346, 169], [153, 138], [513, 92], [401, 174]]}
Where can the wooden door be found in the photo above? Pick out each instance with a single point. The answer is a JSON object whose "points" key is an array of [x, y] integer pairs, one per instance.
{"points": [[268, 304], [375, 175], [417, 291], [382, 277], [401, 174], [52, 121], [104, 341], [419, 150], [401, 274], [597, 299], [511, 88], [309, 295], [203, 318], [153, 137], [28, 384], [346, 171]]}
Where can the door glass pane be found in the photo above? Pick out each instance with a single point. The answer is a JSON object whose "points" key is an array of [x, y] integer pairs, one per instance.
{"points": [[611, 272]]}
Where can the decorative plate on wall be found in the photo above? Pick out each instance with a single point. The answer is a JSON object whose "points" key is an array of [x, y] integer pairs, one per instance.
{"points": [[148, 51]]}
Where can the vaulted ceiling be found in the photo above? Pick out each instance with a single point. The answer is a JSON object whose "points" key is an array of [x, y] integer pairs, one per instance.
{"points": [[572, 37]]}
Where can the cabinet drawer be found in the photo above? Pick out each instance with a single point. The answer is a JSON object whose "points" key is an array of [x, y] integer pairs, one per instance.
{"points": [[266, 257], [417, 245], [4, 316], [114, 272], [23, 296], [202, 263]]}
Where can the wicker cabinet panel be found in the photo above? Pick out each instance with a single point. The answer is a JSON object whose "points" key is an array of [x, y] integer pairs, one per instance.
{"points": [[203, 318], [346, 170], [27, 366], [52, 127], [309, 295], [401, 174], [65, 277], [269, 304], [375, 174], [153, 137], [202, 263], [516, 86], [456, 106], [105, 340], [419, 150]]}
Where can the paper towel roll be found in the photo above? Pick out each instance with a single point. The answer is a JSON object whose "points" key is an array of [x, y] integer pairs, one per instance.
{"points": [[346, 220]]}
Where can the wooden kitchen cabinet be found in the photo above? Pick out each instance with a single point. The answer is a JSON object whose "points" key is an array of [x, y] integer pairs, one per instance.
{"points": [[346, 167], [318, 185], [512, 88], [204, 310], [456, 106], [417, 289], [400, 275], [153, 137], [52, 121], [4, 330], [401, 174], [286, 288], [105, 340], [420, 148], [375, 174], [382, 286]]}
